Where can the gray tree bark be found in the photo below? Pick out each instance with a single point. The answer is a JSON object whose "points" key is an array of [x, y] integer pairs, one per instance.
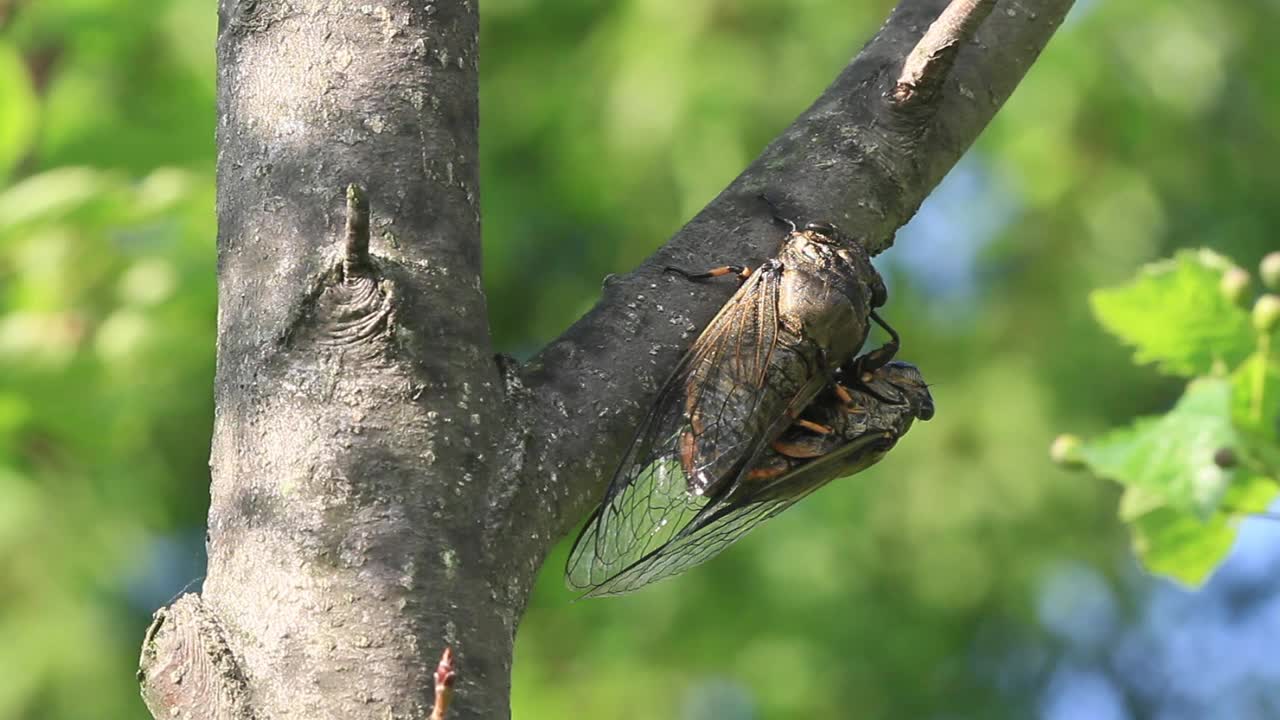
{"points": [[382, 486]]}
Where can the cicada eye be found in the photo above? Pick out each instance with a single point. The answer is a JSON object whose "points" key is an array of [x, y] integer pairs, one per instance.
{"points": [[925, 411], [822, 228], [879, 295]]}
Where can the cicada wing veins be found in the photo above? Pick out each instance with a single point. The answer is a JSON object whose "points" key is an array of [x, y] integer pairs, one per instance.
{"points": [[693, 443], [677, 531], [641, 520], [692, 546], [726, 381], [723, 520]]}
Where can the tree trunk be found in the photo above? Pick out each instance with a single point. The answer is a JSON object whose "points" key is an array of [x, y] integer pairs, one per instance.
{"points": [[384, 488]]}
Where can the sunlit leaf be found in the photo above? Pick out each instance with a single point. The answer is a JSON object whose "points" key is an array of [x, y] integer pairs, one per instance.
{"points": [[1180, 501], [1255, 399], [1255, 410], [1175, 315], [1249, 493], [1179, 545], [55, 192], [1172, 457], [19, 108], [1182, 546]]}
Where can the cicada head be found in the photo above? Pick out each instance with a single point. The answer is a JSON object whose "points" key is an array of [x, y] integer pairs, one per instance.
{"points": [[902, 382]]}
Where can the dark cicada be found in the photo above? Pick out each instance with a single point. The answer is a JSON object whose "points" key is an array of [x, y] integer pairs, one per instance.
{"points": [[833, 438], [836, 439], [761, 361]]}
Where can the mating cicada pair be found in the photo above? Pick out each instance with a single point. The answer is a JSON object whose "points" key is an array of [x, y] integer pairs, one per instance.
{"points": [[769, 404]]}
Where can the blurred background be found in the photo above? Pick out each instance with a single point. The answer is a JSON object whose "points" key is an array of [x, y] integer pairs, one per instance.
{"points": [[964, 577]]}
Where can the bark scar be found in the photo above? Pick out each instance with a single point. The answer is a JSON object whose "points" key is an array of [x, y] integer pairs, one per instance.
{"points": [[351, 303], [187, 669], [357, 307]]}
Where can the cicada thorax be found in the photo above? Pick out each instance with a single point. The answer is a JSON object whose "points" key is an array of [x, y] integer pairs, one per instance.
{"points": [[828, 291]]}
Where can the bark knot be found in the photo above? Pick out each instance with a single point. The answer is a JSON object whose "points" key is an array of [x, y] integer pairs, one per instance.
{"points": [[352, 303], [354, 311], [187, 669]]}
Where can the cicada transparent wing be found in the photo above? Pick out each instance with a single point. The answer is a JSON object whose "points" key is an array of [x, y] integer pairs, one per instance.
{"points": [[721, 521], [705, 427]]}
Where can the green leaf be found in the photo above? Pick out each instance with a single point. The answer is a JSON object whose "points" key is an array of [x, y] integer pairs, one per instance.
{"points": [[1181, 546], [1169, 460], [1249, 493], [19, 108], [1255, 410], [1182, 507], [1255, 398], [50, 194], [1186, 548], [1175, 315]]}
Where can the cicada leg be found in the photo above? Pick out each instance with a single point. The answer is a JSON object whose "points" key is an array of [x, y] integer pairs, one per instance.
{"points": [[688, 448], [824, 228], [791, 448], [776, 213], [741, 271], [814, 427], [800, 449], [864, 366], [769, 472], [843, 393]]}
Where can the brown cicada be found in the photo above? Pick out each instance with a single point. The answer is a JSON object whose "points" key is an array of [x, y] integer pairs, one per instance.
{"points": [[762, 360], [835, 439]]}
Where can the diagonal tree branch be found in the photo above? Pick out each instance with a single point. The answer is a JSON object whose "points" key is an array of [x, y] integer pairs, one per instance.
{"points": [[859, 157]]}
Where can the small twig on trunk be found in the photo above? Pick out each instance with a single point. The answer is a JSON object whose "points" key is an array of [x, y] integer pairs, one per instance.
{"points": [[444, 684], [356, 250], [931, 60]]}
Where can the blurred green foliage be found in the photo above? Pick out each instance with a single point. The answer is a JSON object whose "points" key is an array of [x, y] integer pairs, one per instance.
{"points": [[1214, 457], [933, 586]]}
